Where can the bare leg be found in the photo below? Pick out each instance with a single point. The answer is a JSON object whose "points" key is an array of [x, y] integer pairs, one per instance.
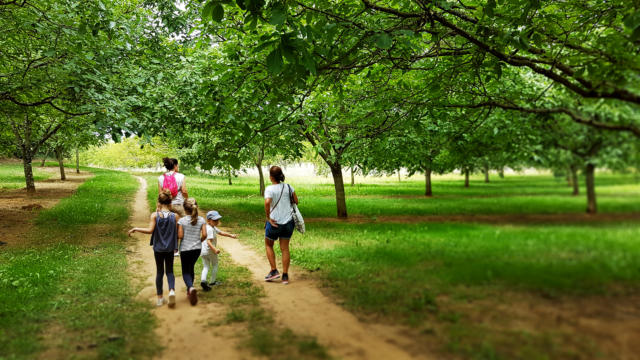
{"points": [[271, 255], [286, 257]]}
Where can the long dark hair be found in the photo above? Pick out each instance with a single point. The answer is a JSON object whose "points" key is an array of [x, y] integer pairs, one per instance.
{"points": [[276, 173], [168, 163]]}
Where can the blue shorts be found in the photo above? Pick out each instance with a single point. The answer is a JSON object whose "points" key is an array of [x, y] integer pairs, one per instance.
{"points": [[283, 231]]}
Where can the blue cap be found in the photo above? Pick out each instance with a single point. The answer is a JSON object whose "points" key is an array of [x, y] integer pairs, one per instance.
{"points": [[213, 215]]}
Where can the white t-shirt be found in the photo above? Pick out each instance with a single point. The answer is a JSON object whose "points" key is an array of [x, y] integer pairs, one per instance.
{"points": [[191, 239], [212, 233], [179, 199], [281, 213]]}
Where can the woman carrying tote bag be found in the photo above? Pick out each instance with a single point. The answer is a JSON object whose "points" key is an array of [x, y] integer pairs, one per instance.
{"points": [[278, 200]]}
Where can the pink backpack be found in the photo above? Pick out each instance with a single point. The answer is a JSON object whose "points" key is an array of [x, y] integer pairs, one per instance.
{"points": [[169, 182]]}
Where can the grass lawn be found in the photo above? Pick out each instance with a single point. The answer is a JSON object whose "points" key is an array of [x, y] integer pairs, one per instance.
{"points": [[67, 289], [12, 176], [402, 271]]}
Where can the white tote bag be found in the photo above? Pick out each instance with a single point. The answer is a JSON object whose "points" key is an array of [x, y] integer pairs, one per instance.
{"points": [[295, 213]]}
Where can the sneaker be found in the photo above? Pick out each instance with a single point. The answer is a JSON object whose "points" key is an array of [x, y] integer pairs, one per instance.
{"points": [[285, 278], [176, 253], [160, 302], [215, 283], [172, 298], [193, 296], [205, 286], [272, 275]]}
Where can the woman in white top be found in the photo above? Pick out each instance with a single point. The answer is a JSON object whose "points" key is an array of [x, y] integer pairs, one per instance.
{"points": [[279, 224], [176, 183]]}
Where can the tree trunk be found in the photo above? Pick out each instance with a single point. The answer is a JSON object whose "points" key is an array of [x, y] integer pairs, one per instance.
{"points": [[27, 155], [336, 171], [591, 189], [77, 161], [353, 180], [28, 171], [569, 177], [229, 176], [466, 178], [486, 173], [60, 163], [44, 159], [574, 180], [501, 173], [399, 178], [259, 166], [427, 183]]}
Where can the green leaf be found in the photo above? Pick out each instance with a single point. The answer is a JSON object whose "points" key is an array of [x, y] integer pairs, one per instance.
{"points": [[383, 41], [218, 13], [490, 7], [234, 161], [632, 21], [207, 10], [636, 34], [274, 61], [278, 16], [309, 63]]}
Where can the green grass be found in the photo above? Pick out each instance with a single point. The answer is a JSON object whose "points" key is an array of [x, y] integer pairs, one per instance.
{"points": [[399, 271], [540, 194], [12, 176], [70, 284]]}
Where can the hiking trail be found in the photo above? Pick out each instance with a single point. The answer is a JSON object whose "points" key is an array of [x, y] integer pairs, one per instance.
{"points": [[300, 306]]}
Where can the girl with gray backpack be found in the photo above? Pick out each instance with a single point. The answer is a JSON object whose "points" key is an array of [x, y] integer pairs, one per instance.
{"points": [[164, 229]]}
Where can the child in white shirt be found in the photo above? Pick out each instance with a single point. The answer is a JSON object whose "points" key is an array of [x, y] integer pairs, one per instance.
{"points": [[209, 252]]}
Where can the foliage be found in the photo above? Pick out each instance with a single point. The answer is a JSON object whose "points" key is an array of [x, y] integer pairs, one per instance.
{"points": [[131, 152]]}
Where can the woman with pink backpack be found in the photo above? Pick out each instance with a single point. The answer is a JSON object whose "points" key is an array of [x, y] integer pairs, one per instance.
{"points": [[174, 182]]}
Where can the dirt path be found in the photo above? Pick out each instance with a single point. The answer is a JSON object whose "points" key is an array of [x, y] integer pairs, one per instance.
{"points": [[183, 330], [303, 307], [18, 208], [300, 306]]}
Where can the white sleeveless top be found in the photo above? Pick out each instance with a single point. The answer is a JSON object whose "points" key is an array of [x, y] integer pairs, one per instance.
{"points": [[179, 199]]}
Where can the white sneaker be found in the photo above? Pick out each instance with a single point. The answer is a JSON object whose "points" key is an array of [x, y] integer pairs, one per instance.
{"points": [[160, 302], [172, 298]]}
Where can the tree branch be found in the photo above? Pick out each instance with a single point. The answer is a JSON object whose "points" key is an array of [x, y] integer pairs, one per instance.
{"points": [[575, 116]]}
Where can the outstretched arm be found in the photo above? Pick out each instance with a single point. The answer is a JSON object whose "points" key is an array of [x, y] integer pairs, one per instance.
{"points": [[223, 233], [147, 230]]}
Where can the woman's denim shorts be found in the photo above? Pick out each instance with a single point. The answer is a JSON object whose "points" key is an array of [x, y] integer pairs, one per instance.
{"points": [[283, 231]]}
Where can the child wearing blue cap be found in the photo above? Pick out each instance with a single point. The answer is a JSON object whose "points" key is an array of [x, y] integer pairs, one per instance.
{"points": [[209, 252]]}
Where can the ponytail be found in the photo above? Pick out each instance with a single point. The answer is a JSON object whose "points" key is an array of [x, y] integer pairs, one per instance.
{"points": [[191, 208], [194, 215]]}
